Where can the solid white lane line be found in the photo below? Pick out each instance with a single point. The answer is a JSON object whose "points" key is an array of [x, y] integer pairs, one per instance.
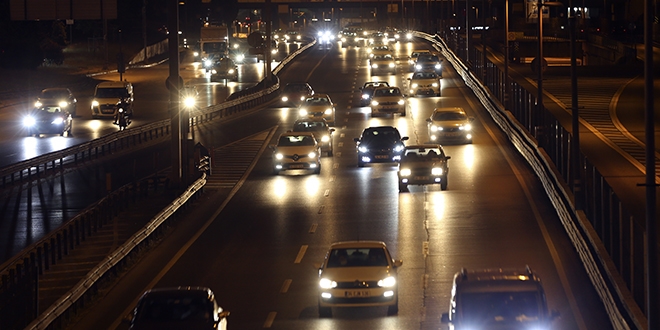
{"points": [[301, 254]]}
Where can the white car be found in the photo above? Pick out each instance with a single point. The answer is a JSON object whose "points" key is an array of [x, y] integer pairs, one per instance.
{"points": [[388, 100], [424, 83], [450, 125], [358, 273], [382, 64], [318, 106], [296, 151]]}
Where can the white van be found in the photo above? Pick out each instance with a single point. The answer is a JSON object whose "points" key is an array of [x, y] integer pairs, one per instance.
{"points": [[107, 97]]}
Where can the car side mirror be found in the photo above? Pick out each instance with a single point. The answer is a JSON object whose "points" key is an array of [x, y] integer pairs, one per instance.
{"points": [[405, 138], [272, 146], [471, 119], [332, 130], [223, 315], [429, 120], [447, 157], [409, 78], [356, 139], [444, 318], [398, 263]]}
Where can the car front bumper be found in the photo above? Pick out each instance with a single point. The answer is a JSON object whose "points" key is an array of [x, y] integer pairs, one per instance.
{"points": [[358, 297]]}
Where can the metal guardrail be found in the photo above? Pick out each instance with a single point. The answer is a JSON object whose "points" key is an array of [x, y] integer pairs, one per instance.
{"points": [[621, 309], [25, 268]]}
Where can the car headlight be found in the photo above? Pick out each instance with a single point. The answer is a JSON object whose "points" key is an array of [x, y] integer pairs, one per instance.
{"points": [[392, 65], [467, 127], [414, 85], [438, 66], [375, 66], [208, 63], [214, 71], [279, 156], [57, 121], [418, 67], [325, 138], [436, 171], [196, 54], [398, 148], [37, 104], [435, 128], [401, 102], [387, 282], [325, 283], [284, 98], [435, 84], [328, 111], [374, 103], [302, 98], [343, 39], [231, 71], [29, 121], [303, 112], [63, 104], [95, 103], [365, 96], [311, 154], [363, 149], [405, 172], [274, 51]]}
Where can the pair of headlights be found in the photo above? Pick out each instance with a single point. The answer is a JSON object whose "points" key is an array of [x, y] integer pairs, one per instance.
{"points": [[405, 172], [466, 127], [399, 102], [387, 282], [280, 156]]}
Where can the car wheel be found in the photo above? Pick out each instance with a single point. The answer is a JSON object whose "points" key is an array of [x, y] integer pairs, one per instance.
{"points": [[325, 311], [360, 164], [443, 183], [393, 310], [403, 187], [317, 170], [276, 171], [403, 113], [330, 153]]}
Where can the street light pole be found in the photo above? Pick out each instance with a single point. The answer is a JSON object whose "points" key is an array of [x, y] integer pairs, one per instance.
{"points": [[539, 59]]}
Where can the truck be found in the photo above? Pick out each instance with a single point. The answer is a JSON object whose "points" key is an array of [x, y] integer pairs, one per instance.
{"points": [[213, 42]]}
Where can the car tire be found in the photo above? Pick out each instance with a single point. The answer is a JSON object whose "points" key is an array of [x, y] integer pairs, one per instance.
{"points": [[325, 311], [403, 187], [443, 183], [276, 172], [393, 310], [360, 164], [403, 113], [330, 153], [317, 170]]}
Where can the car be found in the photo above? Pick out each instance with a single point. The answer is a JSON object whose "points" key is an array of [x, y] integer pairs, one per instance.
{"points": [[429, 62], [61, 97], [413, 57], [48, 120], [450, 125], [358, 273], [296, 151], [425, 83], [349, 38], [379, 144], [388, 100], [224, 68], [321, 130], [109, 96], [318, 106], [178, 308], [382, 63], [292, 36], [367, 91], [296, 92], [379, 49], [498, 299], [423, 164]]}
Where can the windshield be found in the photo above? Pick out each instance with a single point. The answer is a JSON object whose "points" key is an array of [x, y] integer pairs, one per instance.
{"points": [[440, 116], [174, 309], [295, 89], [296, 141], [390, 135], [313, 101], [357, 257], [387, 92], [428, 58], [499, 307], [382, 57], [111, 93], [424, 75], [422, 154], [54, 94], [308, 126]]}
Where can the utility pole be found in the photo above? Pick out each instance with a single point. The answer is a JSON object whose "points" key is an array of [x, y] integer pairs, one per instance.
{"points": [[174, 84]]}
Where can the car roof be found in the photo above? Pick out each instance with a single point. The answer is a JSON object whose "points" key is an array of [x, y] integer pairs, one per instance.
{"points": [[387, 87], [357, 244], [113, 84], [187, 291], [449, 109], [296, 133], [423, 146], [490, 280]]}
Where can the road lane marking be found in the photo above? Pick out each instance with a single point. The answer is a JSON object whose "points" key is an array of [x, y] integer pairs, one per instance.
{"points": [[341, 144], [425, 249], [326, 193], [320, 209], [342, 135], [301, 254], [286, 285], [269, 319], [312, 230], [332, 178]]}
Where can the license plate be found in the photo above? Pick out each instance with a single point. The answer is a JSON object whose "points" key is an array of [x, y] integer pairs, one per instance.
{"points": [[381, 156], [356, 293], [296, 166], [452, 134], [421, 178]]}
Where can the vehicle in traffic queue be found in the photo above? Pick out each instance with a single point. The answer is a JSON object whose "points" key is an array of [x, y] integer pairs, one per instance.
{"points": [[48, 120], [295, 93], [296, 151], [358, 274], [423, 164], [424, 83], [367, 91], [224, 68], [388, 100], [379, 144], [321, 130], [57, 96], [382, 64], [450, 125], [498, 299], [349, 38], [429, 62], [178, 308], [413, 57], [109, 96], [379, 49], [318, 106]]}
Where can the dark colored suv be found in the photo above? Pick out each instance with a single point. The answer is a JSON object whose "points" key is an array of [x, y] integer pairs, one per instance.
{"points": [[296, 93], [429, 63], [380, 144]]}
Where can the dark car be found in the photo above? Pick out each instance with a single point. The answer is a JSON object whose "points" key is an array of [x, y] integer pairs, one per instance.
{"points": [[224, 68], [367, 91], [423, 164], [178, 308], [322, 132], [48, 120], [296, 93], [427, 62], [57, 97], [380, 144]]}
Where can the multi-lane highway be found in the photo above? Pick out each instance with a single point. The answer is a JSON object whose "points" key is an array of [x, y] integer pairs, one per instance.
{"points": [[260, 251]]}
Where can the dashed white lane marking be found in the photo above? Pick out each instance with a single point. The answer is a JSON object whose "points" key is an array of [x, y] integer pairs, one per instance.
{"points": [[301, 254]]}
